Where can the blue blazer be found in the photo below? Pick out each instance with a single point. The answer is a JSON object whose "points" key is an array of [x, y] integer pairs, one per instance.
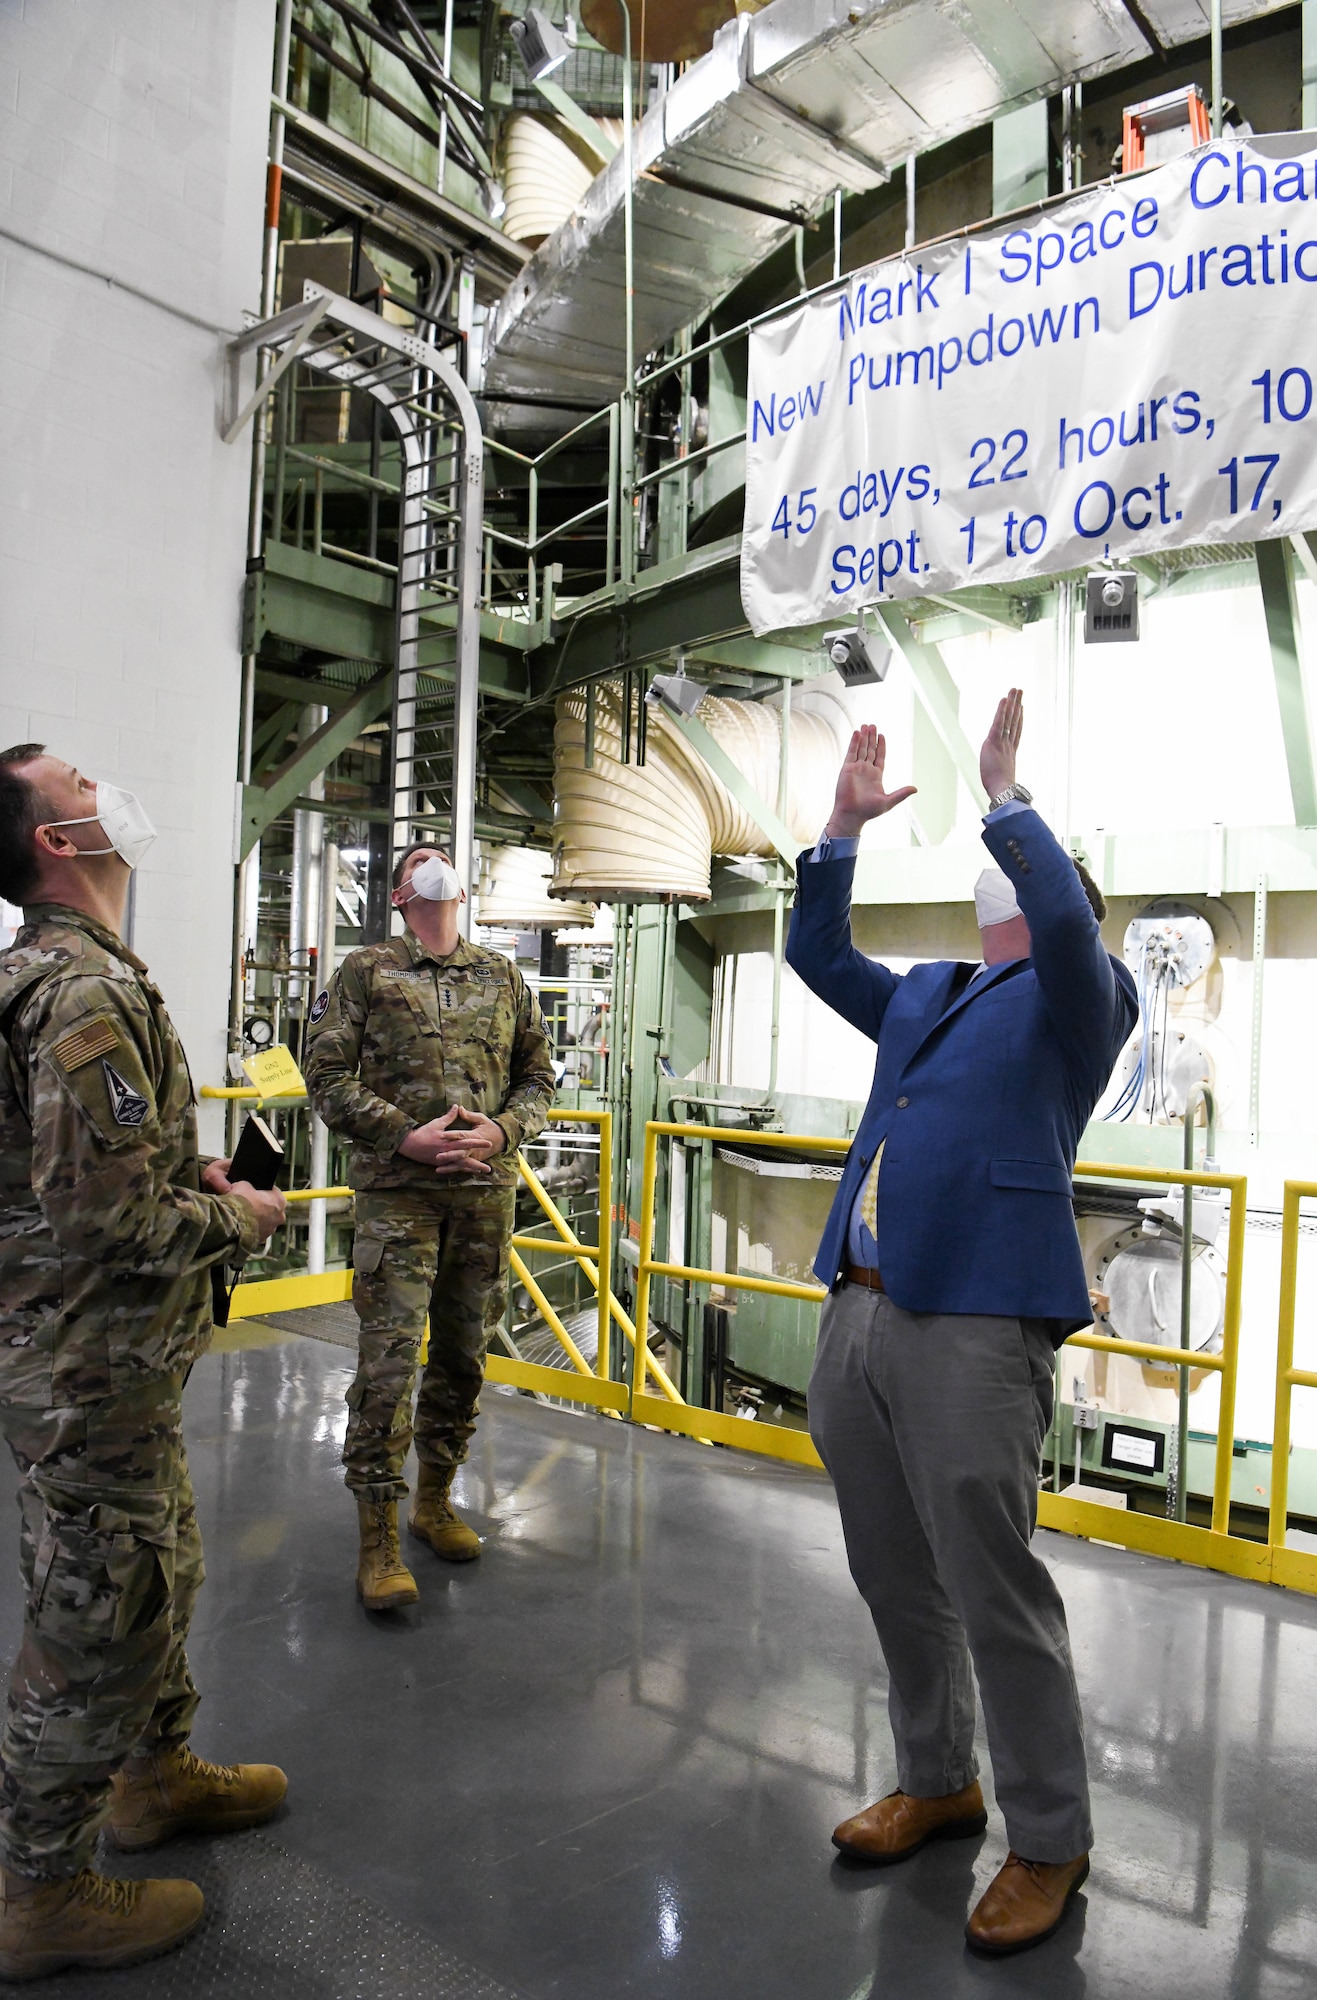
{"points": [[981, 1091]]}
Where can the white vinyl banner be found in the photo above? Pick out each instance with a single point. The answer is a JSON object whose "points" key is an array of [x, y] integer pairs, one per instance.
{"points": [[1130, 371]]}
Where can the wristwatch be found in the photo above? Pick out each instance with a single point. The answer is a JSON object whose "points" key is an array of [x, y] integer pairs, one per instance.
{"points": [[1011, 792]]}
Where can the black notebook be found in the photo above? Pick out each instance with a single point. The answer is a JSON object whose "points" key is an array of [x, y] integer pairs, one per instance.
{"points": [[258, 1156], [257, 1159]]}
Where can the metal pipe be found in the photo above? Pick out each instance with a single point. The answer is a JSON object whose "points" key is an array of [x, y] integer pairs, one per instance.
{"points": [[1215, 16], [448, 70], [256, 501], [629, 261], [910, 238], [779, 893], [327, 938]]}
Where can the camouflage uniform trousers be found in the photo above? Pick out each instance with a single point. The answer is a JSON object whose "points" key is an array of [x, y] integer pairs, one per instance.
{"points": [[445, 1253], [111, 1563]]}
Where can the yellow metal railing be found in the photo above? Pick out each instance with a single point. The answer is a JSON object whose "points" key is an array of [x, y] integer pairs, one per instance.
{"points": [[1295, 1567], [306, 1288], [1212, 1547], [770, 1440]]}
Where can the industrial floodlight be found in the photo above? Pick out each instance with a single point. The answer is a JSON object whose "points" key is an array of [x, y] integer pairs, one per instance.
{"points": [[494, 199], [1111, 607], [541, 46], [674, 691], [850, 655]]}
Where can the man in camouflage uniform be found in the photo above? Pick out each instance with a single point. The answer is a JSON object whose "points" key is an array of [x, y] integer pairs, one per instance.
{"points": [[108, 1227], [431, 1055]]}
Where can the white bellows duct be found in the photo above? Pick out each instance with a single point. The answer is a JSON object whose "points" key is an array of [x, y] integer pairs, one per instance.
{"points": [[629, 832], [514, 893], [544, 177]]}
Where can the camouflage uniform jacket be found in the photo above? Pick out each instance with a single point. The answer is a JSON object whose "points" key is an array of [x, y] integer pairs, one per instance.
{"points": [[105, 1233], [400, 1036]]}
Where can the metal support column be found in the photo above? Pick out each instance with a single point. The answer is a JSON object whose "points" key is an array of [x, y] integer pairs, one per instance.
{"points": [[1019, 158], [1255, 1037], [326, 957], [937, 692], [1276, 576]]}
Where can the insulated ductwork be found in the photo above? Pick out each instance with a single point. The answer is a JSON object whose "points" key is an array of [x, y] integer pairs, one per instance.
{"points": [[628, 832], [544, 178], [514, 893]]}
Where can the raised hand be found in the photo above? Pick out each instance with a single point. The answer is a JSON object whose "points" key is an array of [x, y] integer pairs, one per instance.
{"points": [[997, 757], [861, 795]]}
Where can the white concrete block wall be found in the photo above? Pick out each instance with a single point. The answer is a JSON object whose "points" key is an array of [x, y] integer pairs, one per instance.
{"points": [[132, 145]]}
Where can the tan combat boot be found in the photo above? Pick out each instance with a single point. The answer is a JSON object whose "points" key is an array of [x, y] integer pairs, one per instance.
{"points": [[92, 1920], [169, 1790], [435, 1521], [384, 1582]]}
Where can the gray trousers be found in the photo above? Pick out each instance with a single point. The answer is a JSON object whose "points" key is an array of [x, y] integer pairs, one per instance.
{"points": [[931, 1426]]}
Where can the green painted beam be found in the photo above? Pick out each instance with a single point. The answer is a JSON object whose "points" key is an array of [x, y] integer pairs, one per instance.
{"points": [[937, 692], [270, 736], [674, 606], [757, 656], [1276, 576], [264, 802], [299, 692], [709, 748], [584, 126], [523, 796]]}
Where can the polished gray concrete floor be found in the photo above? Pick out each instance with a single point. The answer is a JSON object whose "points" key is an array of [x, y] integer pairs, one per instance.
{"points": [[606, 1759]]}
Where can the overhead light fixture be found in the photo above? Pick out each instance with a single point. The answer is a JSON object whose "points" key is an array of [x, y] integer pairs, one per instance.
{"points": [[494, 199], [675, 692], [1111, 607], [849, 653], [541, 46]]}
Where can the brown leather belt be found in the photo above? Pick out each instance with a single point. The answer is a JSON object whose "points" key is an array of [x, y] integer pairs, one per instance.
{"points": [[860, 1274]]}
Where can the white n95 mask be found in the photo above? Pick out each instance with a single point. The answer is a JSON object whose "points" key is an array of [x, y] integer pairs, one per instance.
{"points": [[123, 821], [994, 899], [435, 880]]}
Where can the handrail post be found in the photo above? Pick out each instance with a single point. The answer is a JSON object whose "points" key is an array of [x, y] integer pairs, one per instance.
{"points": [[604, 1261], [1280, 1435], [648, 1176], [1225, 1436], [1200, 1092]]}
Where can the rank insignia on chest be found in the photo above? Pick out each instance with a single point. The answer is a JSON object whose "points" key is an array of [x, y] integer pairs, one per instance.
{"points": [[128, 1105]]}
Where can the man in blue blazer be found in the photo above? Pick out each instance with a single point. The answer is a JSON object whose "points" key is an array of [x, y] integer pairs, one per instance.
{"points": [[954, 1271]]}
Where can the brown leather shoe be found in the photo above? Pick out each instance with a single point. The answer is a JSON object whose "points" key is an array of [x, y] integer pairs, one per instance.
{"points": [[898, 1826], [1023, 1904]]}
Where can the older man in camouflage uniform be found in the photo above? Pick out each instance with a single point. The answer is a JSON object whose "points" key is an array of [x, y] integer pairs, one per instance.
{"points": [[108, 1227], [431, 1055]]}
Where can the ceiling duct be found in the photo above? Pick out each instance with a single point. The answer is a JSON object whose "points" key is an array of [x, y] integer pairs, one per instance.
{"points": [[628, 832], [789, 105]]}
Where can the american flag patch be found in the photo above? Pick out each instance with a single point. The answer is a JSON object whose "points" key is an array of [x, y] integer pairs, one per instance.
{"points": [[83, 1045]]}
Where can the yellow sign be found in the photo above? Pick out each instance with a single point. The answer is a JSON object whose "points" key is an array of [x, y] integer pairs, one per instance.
{"points": [[274, 1073]]}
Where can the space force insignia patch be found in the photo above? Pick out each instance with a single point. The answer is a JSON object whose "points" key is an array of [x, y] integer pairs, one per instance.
{"points": [[321, 1008], [128, 1105]]}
